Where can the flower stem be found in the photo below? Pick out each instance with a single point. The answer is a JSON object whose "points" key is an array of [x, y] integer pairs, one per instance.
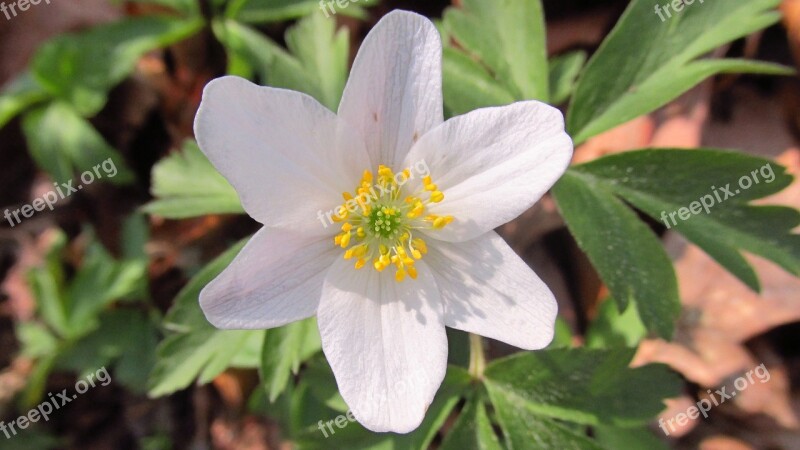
{"points": [[477, 358]]}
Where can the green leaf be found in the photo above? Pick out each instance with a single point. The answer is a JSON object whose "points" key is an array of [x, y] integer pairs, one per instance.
{"points": [[581, 385], [194, 349], [613, 437], [185, 184], [614, 329], [628, 256], [281, 10], [644, 63], [353, 435], [283, 351], [469, 86], [472, 430], [63, 144], [668, 184], [110, 346], [509, 37], [35, 339], [524, 430], [19, 95], [316, 63], [188, 7], [82, 68], [564, 71]]}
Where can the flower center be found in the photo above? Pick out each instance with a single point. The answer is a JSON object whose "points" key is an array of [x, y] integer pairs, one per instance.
{"points": [[380, 220]]}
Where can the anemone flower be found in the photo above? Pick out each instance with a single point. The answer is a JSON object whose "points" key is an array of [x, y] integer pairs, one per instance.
{"points": [[379, 219]]}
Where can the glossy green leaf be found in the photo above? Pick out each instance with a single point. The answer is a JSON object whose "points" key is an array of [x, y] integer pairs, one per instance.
{"points": [[644, 62], [185, 184], [581, 385], [66, 146], [669, 185], [509, 37], [193, 348], [82, 68], [626, 253]]}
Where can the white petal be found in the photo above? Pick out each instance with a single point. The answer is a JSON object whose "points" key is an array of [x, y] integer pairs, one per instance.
{"points": [[488, 290], [280, 150], [394, 94], [276, 279], [385, 342], [493, 164]]}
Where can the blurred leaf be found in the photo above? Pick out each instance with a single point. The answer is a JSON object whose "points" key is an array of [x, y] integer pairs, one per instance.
{"points": [[185, 184], [284, 349], [663, 182], [509, 37], [82, 68], [613, 438], [19, 95], [469, 86], [63, 144], [614, 329], [193, 348], [110, 346], [644, 63], [472, 430], [282, 10], [100, 281], [581, 385], [36, 341], [628, 256], [188, 7], [564, 71], [317, 64]]}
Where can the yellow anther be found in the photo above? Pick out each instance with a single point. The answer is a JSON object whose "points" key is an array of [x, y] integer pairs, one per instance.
{"points": [[400, 275], [366, 177], [431, 187], [337, 240], [427, 180], [420, 244], [360, 263], [437, 196], [360, 232], [379, 265], [347, 196], [439, 223], [348, 254], [412, 272], [347, 227], [416, 253], [346, 239]]}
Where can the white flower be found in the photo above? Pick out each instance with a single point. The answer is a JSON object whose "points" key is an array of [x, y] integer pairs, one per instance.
{"points": [[419, 254]]}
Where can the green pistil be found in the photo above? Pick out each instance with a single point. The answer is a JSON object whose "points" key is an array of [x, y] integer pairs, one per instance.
{"points": [[382, 222]]}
